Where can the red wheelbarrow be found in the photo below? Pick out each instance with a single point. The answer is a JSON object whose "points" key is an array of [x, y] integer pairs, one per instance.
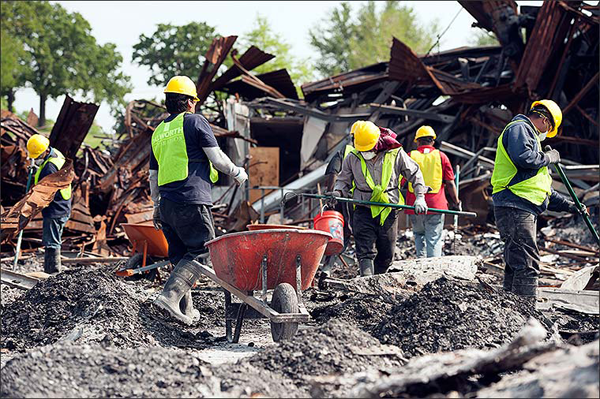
{"points": [[152, 244], [283, 260]]}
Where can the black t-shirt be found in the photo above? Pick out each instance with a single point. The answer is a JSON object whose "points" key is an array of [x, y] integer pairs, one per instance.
{"points": [[196, 188], [59, 207]]}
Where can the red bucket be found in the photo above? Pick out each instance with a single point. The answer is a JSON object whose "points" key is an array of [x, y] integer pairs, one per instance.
{"points": [[331, 222]]}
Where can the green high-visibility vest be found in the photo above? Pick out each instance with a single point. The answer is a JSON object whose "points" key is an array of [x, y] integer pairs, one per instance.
{"points": [[535, 189], [380, 191], [168, 146], [58, 161]]}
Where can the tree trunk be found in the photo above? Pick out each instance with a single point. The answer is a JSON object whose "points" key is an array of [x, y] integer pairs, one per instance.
{"points": [[42, 119], [10, 97]]}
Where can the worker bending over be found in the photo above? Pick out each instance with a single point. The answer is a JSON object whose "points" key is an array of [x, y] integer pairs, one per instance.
{"points": [[372, 172], [438, 174], [183, 166], [57, 213], [522, 189]]}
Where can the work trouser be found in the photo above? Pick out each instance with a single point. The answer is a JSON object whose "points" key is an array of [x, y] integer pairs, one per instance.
{"points": [[374, 241], [52, 231], [187, 227], [428, 230], [521, 256]]}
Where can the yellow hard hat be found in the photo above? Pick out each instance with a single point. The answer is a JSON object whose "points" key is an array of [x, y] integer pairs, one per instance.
{"points": [[554, 110], [365, 134], [182, 85], [425, 131], [36, 145]]}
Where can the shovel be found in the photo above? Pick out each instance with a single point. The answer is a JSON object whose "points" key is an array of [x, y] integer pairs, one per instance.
{"points": [[20, 238], [567, 183]]}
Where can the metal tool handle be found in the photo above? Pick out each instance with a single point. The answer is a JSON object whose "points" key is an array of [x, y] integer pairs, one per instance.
{"points": [[578, 205], [396, 206], [20, 237]]}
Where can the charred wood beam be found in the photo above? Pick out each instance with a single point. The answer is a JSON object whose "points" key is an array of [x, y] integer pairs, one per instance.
{"points": [[430, 115], [71, 127]]}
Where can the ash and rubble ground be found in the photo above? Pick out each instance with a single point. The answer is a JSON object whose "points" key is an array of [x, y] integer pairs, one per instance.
{"points": [[87, 333]]}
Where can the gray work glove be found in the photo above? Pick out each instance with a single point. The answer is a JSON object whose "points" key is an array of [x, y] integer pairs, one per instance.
{"points": [[332, 202], [573, 208], [241, 176], [553, 156], [420, 205], [156, 218]]}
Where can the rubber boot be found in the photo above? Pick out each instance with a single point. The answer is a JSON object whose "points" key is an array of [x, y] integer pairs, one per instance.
{"points": [[509, 276], [52, 260], [526, 287], [186, 305], [179, 283], [366, 267]]}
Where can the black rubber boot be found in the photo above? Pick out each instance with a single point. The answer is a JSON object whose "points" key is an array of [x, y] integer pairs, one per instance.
{"points": [[366, 267], [526, 287], [52, 260], [186, 305], [179, 283], [508, 279]]}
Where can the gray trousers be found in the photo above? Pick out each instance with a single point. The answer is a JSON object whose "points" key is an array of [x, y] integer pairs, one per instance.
{"points": [[521, 255], [428, 231], [52, 231]]}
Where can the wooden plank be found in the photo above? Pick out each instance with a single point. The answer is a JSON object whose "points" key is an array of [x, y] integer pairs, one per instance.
{"points": [[263, 170]]}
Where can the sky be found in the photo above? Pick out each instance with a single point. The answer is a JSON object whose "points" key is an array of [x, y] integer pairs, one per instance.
{"points": [[122, 22]]}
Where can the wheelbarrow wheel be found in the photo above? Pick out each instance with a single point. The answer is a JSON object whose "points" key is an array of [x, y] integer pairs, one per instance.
{"points": [[284, 300], [135, 262]]}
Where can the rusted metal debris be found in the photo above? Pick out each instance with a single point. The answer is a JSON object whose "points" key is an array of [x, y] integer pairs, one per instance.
{"points": [[74, 121]]}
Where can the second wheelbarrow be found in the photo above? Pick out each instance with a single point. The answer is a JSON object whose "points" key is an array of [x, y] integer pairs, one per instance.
{"points": [[283, 260], [148, 244]]}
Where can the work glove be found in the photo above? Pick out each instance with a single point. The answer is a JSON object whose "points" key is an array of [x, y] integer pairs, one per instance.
{"points": [[553, 156], [456, 207], [332, 202], [420, 205], [241, 176], [573, 208], [156, 218]]}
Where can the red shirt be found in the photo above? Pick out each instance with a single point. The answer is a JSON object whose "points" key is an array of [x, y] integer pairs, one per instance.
{"points": [[437, 200]]}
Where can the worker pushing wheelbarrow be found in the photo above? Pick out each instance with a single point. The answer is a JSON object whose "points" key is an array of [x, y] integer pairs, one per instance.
{"points": [[282, 260]]}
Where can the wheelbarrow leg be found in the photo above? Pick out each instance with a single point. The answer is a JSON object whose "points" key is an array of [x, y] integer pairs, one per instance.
{"points": [[239, 322], [228, 323]]}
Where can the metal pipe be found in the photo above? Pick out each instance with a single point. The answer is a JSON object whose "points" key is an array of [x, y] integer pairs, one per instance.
{"points": [[20, 238], [396, 206]]}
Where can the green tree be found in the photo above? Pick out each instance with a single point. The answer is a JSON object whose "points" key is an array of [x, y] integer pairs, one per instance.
{"points": [[174, 50], [347, 44], [62, 55], [484, 38], [330, 38], [263, 37]]}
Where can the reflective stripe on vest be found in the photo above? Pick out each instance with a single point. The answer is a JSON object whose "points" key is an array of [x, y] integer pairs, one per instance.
{"points": [[535, 189], [431, 168], [58, 161], [170, 151], [380, 191], [347, 151]]}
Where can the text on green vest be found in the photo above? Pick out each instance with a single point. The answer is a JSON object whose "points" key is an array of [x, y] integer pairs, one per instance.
{"points": [[169, 148]]}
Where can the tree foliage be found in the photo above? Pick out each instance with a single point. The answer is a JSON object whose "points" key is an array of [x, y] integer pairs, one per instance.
{"points": [[484, 38], [263, 37], [345, 43], [174, 50], [62, 56]]}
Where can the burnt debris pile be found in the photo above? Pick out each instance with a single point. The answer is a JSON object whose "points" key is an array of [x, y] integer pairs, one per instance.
{"points": [[92, 306], [79, 371], [448, 315]]}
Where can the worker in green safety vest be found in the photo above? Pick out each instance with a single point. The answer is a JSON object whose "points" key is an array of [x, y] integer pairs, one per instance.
{"points": [[184, 162], [372, 171], [522, 189], [50, 160]]}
